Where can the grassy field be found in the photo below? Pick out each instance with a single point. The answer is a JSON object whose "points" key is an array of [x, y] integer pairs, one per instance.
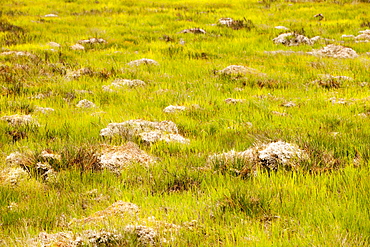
{"points": [[318, 104]]}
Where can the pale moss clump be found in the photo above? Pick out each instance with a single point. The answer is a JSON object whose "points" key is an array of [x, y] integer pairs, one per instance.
{"points": [[20, 120], [115, 158], [145, 235], [122, 83], [272, 156], [335, 51], [174, 108], [13, 176], [85, 104], [145, 130], [294, 39], [143, 61]]}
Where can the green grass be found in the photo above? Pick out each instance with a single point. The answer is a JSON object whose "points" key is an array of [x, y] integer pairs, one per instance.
{"points": [[323, 204]]}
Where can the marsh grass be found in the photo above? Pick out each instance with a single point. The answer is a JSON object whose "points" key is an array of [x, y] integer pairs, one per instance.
{"points": [[323, 203]]}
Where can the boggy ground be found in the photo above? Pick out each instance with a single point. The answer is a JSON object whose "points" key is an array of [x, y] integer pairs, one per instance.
{"points": [[184, 123]]}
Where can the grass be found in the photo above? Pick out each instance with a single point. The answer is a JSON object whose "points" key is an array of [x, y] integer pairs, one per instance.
{"points": [[324, 203]]}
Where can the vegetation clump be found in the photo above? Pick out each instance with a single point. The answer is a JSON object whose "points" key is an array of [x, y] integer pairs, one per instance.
{"points": [[174, 108], [143, 61], [194, 30], [121, 83], [335, 51], [294, 39], [145, 130], [273, 156], [116, 158]]}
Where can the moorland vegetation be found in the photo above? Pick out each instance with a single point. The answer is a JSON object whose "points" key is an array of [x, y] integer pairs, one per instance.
{"points": [[184, 123]]}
